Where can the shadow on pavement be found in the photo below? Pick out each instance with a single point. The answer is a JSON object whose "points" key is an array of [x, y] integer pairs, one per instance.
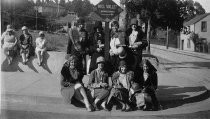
{"points": [[12, 67], [44, 64], [177, 96], [30, 64]]}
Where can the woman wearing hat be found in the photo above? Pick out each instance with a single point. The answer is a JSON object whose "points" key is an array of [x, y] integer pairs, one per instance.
{"points": [[122, 81], [25, 42], [41, 47], [78, 43], [150, 84], [99, 84], [97, 44], [117, 39], [71, 83], [136, 44], [9, 42]]}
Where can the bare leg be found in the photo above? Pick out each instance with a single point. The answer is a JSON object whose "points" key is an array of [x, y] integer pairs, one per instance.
{"points": [[23, 57], [6, 53], [86, 101], [39, 57]]}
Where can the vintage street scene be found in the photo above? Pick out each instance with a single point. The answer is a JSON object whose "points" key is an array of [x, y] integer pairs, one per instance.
{"points": [[105, 59]]}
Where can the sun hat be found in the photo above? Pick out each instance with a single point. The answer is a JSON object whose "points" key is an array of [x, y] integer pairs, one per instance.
{"points": [[9, 28], [134, 21], [100, 60], [98, 24], [24, 28], [41, 33]]}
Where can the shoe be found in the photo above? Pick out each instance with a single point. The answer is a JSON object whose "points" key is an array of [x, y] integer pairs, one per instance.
{"points": [[104, 107], [96, 107], [128, 108], [145, 108], [123, 107], [89, 109]]}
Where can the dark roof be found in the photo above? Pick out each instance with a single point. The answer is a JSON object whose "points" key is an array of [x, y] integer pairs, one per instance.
{"points": [[95, 17], [51, 4], [195, 19], [67, 18]]}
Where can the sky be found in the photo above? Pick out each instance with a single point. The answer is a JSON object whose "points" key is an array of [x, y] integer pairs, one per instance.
{"points": [[204, 3]]}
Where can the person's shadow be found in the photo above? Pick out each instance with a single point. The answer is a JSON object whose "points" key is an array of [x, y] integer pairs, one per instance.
{"points": [[13, 67], [179, 95], [44, 63]]}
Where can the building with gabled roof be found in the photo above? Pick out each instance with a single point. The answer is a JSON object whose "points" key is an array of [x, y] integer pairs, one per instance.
{"points": [[200, 25]]}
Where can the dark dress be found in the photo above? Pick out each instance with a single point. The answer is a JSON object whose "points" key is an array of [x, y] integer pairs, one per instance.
{"points": [[120, 92], [25, 43], [69, 78], [137, 53], [95, 38], [94, 84], [150, 85]]}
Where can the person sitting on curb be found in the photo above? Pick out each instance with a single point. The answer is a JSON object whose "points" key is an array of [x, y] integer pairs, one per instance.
{"points": [[99, 85], [41, 47], [8, 43], [122, 81], [25, 42], [144, 94], [71, 83]]}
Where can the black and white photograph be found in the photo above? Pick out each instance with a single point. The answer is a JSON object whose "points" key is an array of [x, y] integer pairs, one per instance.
{"points": [[105, 59]]}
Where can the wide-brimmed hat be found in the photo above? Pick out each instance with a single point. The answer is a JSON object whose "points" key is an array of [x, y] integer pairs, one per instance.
{"points": [[122, 64], [134, 21], [41, 33], [9, 28], [100, 60], [98, 24], [115, 23], [24, 28]]}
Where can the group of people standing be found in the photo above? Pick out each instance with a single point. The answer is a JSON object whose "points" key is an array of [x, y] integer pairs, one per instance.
{"points": [[24, 44], [133, 81]]}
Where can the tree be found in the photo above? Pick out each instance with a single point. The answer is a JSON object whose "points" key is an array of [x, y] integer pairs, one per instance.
{"points": [[157, 13], [189, 9], [62, 3]]}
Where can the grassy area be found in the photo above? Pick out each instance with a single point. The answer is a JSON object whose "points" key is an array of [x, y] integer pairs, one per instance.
{"points": [[56, 42]]}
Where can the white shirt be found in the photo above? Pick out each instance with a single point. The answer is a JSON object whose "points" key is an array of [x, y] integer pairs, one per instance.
{"points": [[40, 42], [113, 43], [123, 80], [132, 37]]}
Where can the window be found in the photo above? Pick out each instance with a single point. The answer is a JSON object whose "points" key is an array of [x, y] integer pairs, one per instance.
{"points": [[203, 26]]}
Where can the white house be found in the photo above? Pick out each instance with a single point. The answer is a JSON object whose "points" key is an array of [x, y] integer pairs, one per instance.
{"points": [[200, 25]]}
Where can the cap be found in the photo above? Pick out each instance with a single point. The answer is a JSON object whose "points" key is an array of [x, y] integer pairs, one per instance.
{"points": [[134, 21], [41, 33], [100, 60]]}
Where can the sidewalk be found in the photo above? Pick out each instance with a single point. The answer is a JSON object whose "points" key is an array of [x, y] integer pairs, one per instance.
{"points": [[182, 52], [39, 92]]}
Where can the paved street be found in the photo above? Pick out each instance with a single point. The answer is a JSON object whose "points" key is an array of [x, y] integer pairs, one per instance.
{"points": [[184, 83]]}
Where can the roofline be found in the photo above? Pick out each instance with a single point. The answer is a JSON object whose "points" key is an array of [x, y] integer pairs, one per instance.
{"points": [[198, 20]]}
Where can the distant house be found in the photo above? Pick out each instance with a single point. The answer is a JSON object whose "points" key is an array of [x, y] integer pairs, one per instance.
{"points": [[200, 25], [50, 8]]}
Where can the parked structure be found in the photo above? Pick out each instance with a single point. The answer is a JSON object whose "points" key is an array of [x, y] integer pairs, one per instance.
{"points": [[198, 26]]}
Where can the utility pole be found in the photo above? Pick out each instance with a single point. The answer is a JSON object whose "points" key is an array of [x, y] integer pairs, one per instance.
{"points": [[167, 40]]}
